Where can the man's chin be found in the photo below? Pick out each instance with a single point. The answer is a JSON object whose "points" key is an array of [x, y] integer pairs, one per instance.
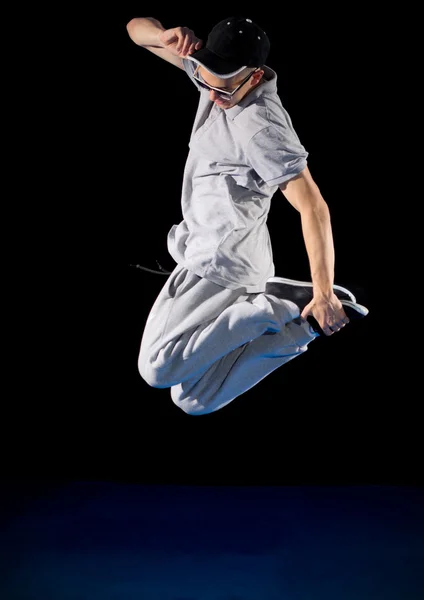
{"points": [[222, 104]]}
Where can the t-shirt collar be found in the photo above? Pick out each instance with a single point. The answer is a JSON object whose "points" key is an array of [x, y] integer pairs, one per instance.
{"points": [[266, 87]]}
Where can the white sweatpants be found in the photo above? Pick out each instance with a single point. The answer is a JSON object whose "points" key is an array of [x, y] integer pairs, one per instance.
{"points": [[210, 344]]}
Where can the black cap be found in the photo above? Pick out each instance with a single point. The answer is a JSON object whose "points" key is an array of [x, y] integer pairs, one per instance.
{"points": [[233, 44]]}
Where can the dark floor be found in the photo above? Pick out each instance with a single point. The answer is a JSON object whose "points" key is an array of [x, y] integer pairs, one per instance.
{"points": [[86, 540]]}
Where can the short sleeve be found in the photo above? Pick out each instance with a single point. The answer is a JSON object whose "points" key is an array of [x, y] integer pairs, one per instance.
{"points": [[276, 154]]}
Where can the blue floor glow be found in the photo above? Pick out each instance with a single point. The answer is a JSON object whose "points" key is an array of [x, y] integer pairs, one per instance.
{"points": [[113, 541]]}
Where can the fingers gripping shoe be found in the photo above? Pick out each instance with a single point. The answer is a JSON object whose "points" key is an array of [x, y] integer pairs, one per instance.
{"points": [[301, 293], [353, 310]]}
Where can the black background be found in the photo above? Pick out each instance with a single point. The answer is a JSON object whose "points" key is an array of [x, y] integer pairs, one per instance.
{"points": [[104, 159]]}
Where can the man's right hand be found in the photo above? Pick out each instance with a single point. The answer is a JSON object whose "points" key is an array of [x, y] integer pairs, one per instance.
{"points": [[179, 41]]}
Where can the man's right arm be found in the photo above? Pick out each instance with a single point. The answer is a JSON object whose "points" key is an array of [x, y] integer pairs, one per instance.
{"points": [[144, 31], [170, 44]]}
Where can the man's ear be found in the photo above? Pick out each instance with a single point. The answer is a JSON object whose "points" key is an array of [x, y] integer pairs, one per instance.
{"points": [[259, 75]]}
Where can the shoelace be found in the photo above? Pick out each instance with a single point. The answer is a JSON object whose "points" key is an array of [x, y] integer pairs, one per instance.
{"points": [[161, 272]]}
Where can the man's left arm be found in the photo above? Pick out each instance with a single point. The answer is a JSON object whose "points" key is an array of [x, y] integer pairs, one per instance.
{"points": [[304, 195]]}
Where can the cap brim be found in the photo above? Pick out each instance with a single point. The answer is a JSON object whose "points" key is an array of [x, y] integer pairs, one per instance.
{"points": [[214, 64]]}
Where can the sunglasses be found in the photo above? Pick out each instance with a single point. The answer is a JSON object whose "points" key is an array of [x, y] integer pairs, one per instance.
{"points": [[222, 93]]}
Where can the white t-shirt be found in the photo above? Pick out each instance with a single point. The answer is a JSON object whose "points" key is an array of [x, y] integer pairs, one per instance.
{"points": [[236, 161]]}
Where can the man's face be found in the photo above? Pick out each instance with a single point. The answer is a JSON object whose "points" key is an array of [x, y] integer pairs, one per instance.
{"points": [[229, 85]]}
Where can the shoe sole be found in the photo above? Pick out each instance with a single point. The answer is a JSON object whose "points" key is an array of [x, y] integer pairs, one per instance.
{"points": [[359, 309], [309, 284]]}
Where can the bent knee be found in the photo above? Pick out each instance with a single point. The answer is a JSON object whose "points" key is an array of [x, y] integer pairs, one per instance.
{"points": [[152, 376], [188, 404], [193, 408]]}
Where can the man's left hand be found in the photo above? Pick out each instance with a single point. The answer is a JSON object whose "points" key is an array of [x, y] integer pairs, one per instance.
{"points": [[328, 312]]}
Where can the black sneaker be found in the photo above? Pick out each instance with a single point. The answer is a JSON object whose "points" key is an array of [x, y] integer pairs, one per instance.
{"points": [[301, 292]]}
